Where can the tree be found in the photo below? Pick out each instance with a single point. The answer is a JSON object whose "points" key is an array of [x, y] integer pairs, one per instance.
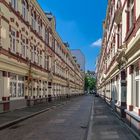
{"points": [[90, 83]]}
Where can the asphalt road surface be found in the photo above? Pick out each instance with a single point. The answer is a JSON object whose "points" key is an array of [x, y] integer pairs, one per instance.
{"points": [[68, 122]]}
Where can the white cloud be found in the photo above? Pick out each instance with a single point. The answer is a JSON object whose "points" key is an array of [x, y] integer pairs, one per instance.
{"points": [[97, 43]]}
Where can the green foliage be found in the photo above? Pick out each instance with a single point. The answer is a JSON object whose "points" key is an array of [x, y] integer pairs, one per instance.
{"points": [[90, 83]]}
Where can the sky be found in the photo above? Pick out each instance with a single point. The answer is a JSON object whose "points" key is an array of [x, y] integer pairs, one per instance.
{"points": [[79, 22]]}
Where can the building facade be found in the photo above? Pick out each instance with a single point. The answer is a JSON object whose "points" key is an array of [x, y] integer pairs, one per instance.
{"points": [[80, 58], [34, 61], [118, 67]]}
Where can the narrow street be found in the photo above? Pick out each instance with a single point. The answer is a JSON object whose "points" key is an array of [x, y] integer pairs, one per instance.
{"points": [[71, 122]]}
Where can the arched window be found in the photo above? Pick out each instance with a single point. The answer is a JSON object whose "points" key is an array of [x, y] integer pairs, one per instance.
{"points": [[24, 9]]}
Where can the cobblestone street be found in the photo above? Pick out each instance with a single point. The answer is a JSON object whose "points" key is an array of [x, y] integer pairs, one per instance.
{"points": [[71, 122]]}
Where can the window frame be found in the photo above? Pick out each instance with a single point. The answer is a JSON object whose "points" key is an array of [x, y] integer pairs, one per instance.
{"points": [[13, 48], [23, 44], [14, 4], [24, 9]]}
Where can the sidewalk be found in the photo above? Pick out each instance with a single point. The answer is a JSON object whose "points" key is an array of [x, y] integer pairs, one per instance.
{"points": [[104, 125], [12, 117]]}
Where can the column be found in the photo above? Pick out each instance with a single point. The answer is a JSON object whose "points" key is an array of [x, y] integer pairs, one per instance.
{"points": [[6, 90]]}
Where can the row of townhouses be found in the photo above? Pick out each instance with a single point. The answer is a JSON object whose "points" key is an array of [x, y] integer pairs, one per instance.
{"points": [[118, 67], [34, 61]]}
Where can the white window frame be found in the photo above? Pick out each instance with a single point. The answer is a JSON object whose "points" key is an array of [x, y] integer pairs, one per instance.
{"points": [[50, 40], [13, 45], [46, 36], [45, 62], [131, 13], [24, 9], [15, 82], [33, 21], [14, 4], [24, 47]]}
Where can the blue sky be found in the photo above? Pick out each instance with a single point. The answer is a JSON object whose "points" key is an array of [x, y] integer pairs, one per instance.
{"points": [[79, 22]]}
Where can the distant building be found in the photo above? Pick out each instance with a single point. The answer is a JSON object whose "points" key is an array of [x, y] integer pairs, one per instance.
{"points": [[91, 74], [80, 58]]}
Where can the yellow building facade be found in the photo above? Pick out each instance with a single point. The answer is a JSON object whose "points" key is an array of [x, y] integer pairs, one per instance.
{"points": [[34, 62]]}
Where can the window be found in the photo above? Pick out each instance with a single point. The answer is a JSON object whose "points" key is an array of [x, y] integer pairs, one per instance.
{"points": [[40, 28], [16, 86], [46, 36], [13, 40], [20, 86], [14, 4], [135, 85], [33, 20], [33, 53], [38, 57], [50, 40], [24, 9], [130, 14], [24, 47], [45, 62]]}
